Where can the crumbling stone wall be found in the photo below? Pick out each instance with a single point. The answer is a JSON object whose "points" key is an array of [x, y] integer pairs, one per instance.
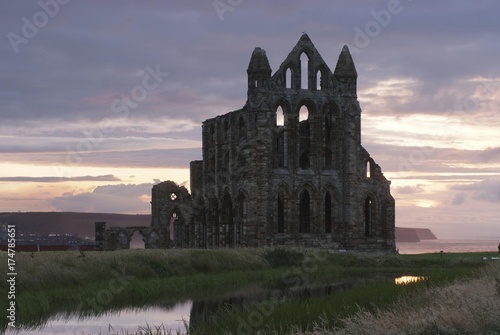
{"points": [[289, 168], [172, 212], [117, 238]]}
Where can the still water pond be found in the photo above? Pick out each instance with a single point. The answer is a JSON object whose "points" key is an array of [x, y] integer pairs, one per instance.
{"points": [[182, 314], [174, 318]]}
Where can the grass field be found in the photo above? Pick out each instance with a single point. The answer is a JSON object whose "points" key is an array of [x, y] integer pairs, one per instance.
{"points": [[52, 282]]}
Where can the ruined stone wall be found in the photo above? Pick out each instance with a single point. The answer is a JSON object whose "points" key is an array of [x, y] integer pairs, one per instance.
{"points": [[173, 213], [117, 238], [287, 168]]}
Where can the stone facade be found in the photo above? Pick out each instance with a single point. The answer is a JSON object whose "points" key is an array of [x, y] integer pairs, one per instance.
{"points": [[288, 168]]}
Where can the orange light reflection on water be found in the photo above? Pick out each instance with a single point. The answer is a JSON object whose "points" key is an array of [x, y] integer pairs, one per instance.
{"points": [[404, 280]]}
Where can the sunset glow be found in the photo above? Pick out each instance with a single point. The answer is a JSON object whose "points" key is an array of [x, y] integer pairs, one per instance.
{"points": [[95, 112]]}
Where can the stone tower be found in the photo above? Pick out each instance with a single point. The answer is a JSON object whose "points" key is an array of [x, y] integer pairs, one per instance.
{"points": [[289, 168]]}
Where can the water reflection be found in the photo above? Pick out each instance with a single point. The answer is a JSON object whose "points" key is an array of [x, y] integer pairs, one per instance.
{"points": [[174, 316], [204, 310], [170, 319], [404, 280]]}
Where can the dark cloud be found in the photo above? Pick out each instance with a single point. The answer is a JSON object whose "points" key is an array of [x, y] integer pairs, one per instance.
{"points": [[74, 60]]}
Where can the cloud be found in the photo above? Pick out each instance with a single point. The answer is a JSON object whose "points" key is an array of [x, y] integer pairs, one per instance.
{"points": [[123, 198], [409, 189], [64, 161], [59, 179], [428, 85], [485, 190], [459, 199]]}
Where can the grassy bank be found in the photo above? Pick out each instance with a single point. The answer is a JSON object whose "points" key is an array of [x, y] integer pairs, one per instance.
{"points": [[467, 306], [287, 313], [51, 282], [46, 269]]}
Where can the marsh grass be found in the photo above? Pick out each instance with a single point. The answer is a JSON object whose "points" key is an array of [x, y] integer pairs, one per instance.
{"points": [[52, 282], [465, 306], [47, 269], [284, 315], [66, 268], [290, 313]]}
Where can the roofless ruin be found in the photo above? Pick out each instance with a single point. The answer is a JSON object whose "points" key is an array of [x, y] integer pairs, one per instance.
{"points": [[286, 169]]}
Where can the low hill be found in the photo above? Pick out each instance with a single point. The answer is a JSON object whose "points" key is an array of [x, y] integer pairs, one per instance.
{"points": [[81, 224]]}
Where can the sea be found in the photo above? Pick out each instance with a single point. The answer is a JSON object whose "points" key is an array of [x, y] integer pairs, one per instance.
{"points": [[447, 245]]}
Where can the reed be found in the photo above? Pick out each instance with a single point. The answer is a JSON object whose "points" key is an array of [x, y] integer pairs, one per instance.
{"points": [[46, 269], [287, 314], [52, 282], [466, 306]]}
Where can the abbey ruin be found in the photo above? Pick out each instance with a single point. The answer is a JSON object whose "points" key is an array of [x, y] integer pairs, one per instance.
{"points": [[286, 169]]}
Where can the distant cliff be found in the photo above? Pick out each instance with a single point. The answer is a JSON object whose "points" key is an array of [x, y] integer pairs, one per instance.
{"points": [[414, 234], [81, 224]]}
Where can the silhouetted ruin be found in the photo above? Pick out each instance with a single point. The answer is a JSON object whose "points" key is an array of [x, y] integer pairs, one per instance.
{"points": [[286, 169]]}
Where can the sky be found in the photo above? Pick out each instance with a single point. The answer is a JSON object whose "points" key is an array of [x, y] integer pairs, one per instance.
{"points": [[99, 100]]}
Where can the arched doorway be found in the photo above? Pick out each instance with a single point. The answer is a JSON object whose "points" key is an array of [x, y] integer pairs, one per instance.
{"points": [[137, 241]]}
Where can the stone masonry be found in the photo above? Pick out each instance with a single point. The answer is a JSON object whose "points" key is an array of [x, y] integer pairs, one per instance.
{"points": [[287, 168]]}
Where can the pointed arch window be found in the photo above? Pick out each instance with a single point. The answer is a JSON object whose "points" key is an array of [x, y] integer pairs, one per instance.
{"points": [[368, 169], [305, 212], [319, 82], [281, 149], [227, 221], [241, 217], [304, 69], [288, 78], [281, 213], [280, 117], [304, 162], [215, 227], [304, 137], [303, 113], [328, 213], [368, 216], [328, 131]]}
